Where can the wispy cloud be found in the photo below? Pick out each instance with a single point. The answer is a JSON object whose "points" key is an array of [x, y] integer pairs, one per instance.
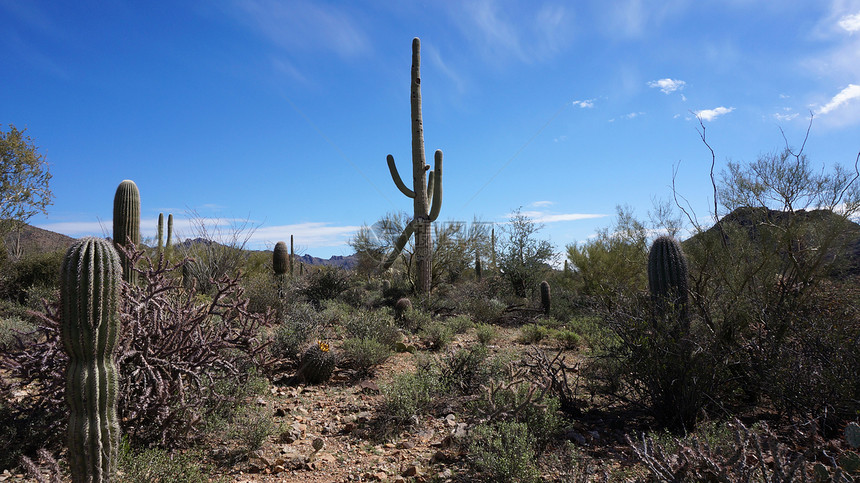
{"points": [[786, 116], [543, 217], [504, 33], [432, 53], [584, 104], [542, 203], [846, 95], [306, 25], [851, 23], [629, 115], [667, 86], [711, 114], [310, 234]]}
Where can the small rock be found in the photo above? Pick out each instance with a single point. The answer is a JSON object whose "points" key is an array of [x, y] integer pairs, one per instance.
{"points": [[318, 444], [278, 469], [575, 437], [405, 445], [261, 401], [411, 470], [364, 416], [280, 412], [451, 420], [348, 427], [445, 474]]}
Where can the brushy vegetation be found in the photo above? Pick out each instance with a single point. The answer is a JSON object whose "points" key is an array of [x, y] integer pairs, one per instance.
{"points": [[610, 378]]}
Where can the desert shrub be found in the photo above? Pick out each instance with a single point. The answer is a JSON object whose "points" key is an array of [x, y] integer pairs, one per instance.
{"points": [[365, 354], [503, 451], [414, 320], [409, 394], [324, 284], [361, 297], [437, 335], [464, 371], [300, 324], [251, 427], [532, 333], [486, 333], [171, 351], [34, 269], [159, 466], [460, 324], [13, 328], [568, 338], [262, 292], [372, 325]]}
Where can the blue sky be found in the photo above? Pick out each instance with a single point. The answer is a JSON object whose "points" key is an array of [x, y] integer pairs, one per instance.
{"points": [[282, 112]]}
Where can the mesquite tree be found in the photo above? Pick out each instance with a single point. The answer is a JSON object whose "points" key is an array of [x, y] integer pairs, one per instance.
{"points": [[427, 188]]}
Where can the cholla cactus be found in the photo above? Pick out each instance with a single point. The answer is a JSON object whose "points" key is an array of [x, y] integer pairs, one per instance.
{"points": [[126, 223], [90, 290], [545, 298], [317, 364]]}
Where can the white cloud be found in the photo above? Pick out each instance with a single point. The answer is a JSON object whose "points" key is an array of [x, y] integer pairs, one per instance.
{"points": [[711, 114], [586, 103], [851, 23], [543, 203], [542, 217], [76, 229], [667, 86], [846, 95], [788, 116], [310, 234]]}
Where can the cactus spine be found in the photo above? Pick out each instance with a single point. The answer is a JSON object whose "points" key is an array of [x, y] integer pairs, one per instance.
{"points": [[90, 288], [545, 298], [126, 223], [426, 191], [667, 279]]}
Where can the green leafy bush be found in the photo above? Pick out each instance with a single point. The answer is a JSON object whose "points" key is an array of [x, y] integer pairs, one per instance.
{"points": [[324, 284], [300, 324], [365, 354], [160, 466], [372, 325], [409, 394], [437, 335], [503, 451], [486, 333]]}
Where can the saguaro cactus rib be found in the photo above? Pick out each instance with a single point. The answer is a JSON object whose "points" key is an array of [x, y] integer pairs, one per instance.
{"points": [[126, 222], [90, 283]]}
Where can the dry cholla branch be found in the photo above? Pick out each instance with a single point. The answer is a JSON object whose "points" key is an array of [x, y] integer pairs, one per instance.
{"points": [[552, 375], [516, 378], [756, 456]]}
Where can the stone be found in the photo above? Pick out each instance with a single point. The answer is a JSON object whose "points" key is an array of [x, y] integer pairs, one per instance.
{"points": [[411, 470]]}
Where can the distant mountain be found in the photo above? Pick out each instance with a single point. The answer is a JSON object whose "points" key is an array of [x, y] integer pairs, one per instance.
{"points": [[37, 240]]}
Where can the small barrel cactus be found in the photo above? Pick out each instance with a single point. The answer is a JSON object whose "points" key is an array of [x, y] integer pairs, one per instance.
{"points": [[89, 291], [545, 298], [317, 363], [667, 277], [280, 258], [401, 307], [126, 223]]}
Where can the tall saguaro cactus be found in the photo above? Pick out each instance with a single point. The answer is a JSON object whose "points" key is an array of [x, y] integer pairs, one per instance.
{"points": [[126, 223], [426, 189], [89, 292]]}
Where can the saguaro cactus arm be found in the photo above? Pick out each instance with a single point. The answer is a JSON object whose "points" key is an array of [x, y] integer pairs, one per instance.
{"points": [[396, 177], [398, 245], [435, 184]]}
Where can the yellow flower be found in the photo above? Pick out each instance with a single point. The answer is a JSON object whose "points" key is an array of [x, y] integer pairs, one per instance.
{"points": [[323, 346]]}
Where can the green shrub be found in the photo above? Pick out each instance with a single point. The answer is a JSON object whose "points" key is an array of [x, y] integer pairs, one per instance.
{"points": [[485, 310], [414, 320], [325, 283], [486, 333], [12, 327], [159, 466], [372, 325], [262, 292], [409, 394], [503, 451], [437, 335], [365, 354], [300, 324], [251, 427], [532, 333], [465, 370], [568, 338], [460, 324]]}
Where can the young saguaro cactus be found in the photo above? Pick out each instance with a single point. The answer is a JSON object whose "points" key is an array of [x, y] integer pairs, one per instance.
{"points": [[667, 278], [426, 191], [169, 231], [126, 223], [280, 258], [160, 231], [89, 292], [545, 299]]}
